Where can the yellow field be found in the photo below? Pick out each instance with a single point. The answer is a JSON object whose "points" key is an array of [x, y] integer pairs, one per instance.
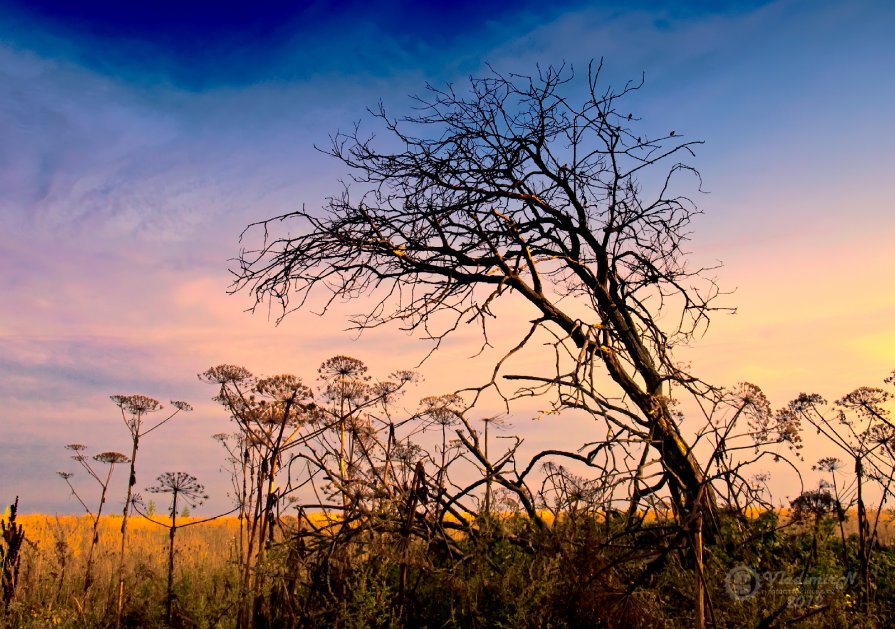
{"points": [[208, 544], [50, 588], [51, 580]]}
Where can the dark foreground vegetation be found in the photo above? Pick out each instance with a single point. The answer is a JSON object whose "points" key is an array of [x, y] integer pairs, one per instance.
{"points": [[505, 571], [550, 202], [350, 514]]}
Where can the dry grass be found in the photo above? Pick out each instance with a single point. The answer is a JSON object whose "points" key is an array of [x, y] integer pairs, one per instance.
{"points": [[51, 580], [204, 541], [51, 584], [54, 540], [885, 529]]}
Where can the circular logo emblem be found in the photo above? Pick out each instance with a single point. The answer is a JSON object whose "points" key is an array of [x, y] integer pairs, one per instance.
{"points": [[742, 583]]}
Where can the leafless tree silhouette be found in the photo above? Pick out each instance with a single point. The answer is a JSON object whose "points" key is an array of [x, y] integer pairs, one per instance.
{"points": [[511, 190]]}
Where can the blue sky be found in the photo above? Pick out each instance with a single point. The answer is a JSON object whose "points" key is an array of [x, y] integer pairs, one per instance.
{"points": [[199, 46], [136, 144]]}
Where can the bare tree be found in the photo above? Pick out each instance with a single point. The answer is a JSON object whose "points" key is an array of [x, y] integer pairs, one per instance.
{"points": [[512, 190]]}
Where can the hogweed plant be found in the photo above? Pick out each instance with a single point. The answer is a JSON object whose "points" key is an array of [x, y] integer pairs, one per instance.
{"points": [[861, 426], [333, 440], [186, 490], [134, 412], [270, 413], [346, 388], [111, 459], [500, 423], [831, 465]]}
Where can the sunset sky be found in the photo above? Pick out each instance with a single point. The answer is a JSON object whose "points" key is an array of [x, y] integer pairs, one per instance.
{"points": [[136, 144]]}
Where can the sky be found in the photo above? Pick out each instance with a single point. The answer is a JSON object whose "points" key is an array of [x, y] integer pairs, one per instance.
{"points": [[137, 140]]}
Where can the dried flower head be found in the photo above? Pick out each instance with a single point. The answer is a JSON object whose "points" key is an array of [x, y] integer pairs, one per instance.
{"points": [[407, 452], [496, 421], [348, 390], [882, 434], [805, 402], [283, 388], [827, 464], [225, 374], [868, 402], [361, 428], [385, 392], [405, 376], [765, 425], [184, 486], [112, 458], [136, 404], [342, 367], [754, 403], [442, 409]]}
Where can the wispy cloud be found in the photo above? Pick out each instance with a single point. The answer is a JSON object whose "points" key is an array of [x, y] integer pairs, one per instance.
{"points": [[125, 181]]}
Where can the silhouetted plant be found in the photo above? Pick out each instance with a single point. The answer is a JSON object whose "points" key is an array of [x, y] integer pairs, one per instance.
{"points": [[814, 506], [108, 458], [346, 387], [134, 412], [270, 412], [62, 553], [497, 422], [860, 426], [184, 488], [337, 442], [831, 465], [13, 536]]}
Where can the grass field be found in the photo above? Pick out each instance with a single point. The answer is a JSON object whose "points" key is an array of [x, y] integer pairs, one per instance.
{"points": [[54, 557], [51, 578]]}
